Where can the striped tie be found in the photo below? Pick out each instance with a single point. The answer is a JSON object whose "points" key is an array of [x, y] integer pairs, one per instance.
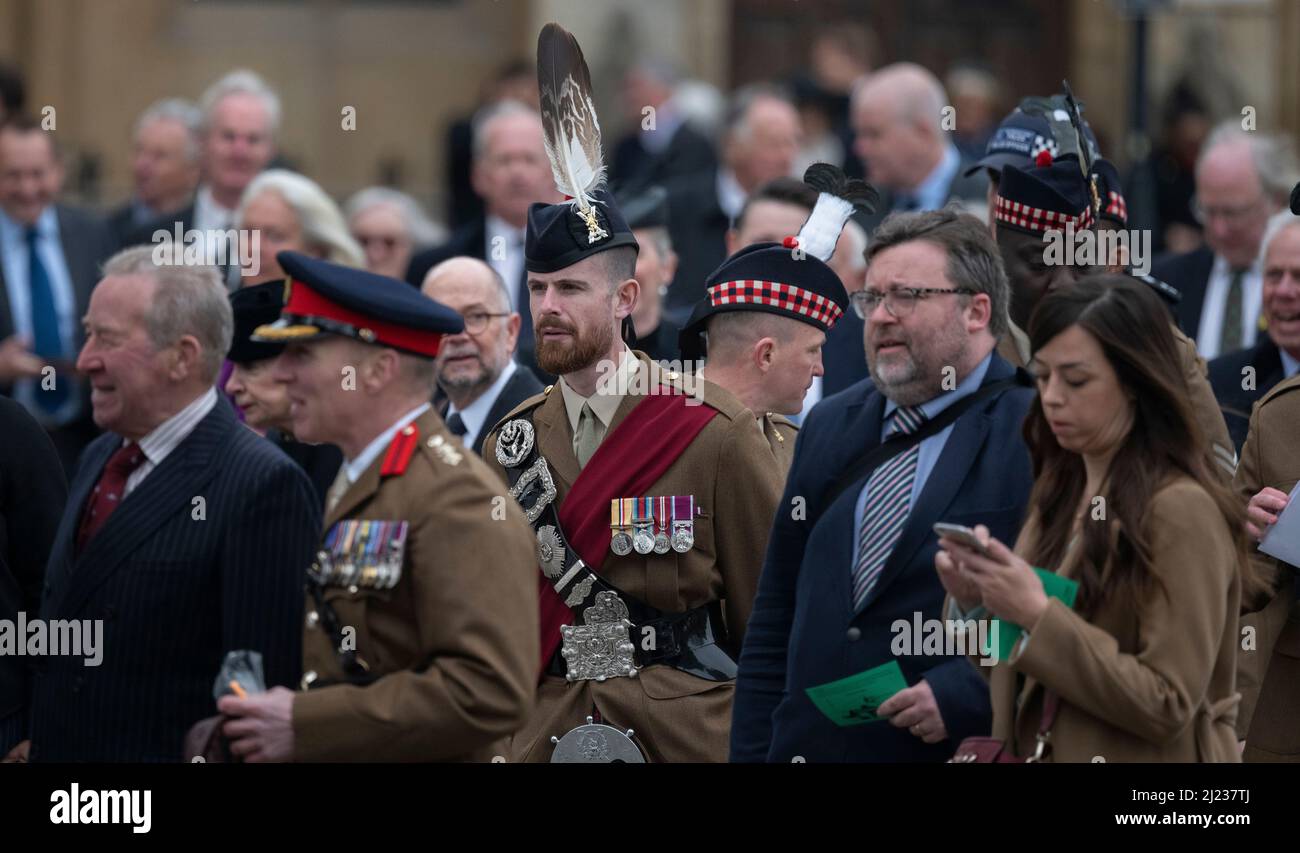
{"points": [[889, 497]]}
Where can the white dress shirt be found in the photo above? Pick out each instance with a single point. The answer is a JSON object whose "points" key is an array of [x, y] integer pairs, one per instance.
{"points": [[208, 214], [731, 195], [1208, 336], [476, 412], [354, 468], [509, 262], [811, 398], [168, 435], [1290, 366]]}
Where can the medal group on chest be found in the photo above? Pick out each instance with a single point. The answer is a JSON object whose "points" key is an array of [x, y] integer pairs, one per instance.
{"points": [[657, 524]]}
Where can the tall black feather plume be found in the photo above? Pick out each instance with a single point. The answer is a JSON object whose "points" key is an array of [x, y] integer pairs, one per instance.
{"points": [[570, 129], [1085, 153], [826, 178], [837, 197]]}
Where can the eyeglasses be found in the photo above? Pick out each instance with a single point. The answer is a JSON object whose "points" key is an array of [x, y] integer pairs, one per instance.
{"points": [[476, 322], [1230, 215], [367, 240], [899, 302]]}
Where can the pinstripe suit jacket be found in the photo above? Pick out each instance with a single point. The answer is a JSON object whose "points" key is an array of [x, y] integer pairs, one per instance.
{"points": [[178, 582]]}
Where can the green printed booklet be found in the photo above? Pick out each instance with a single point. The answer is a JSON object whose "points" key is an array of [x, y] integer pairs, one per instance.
{"points": [[852, 701], [1007, 634]]}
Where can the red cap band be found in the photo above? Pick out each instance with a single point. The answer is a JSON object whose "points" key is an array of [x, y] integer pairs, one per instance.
{"points": [[308, 303]]}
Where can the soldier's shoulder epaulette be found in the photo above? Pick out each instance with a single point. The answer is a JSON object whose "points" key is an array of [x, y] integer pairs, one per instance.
{"points": [[1279, 389], [444, 449], [781, 422], [701, 390]]}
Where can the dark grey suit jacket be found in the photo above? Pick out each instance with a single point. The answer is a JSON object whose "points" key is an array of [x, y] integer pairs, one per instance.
{"points": [[87, 242], [522, 385], [32, 496], [176, 589], [1190, 274]]}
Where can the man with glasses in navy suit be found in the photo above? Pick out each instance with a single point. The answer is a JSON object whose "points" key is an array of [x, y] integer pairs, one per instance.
{"points": [[850, 556]]}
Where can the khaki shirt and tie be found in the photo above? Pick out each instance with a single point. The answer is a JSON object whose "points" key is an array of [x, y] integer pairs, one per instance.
{"points": [[590, 417]]}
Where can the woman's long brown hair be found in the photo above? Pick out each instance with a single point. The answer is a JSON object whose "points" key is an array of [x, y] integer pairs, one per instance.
{"points": [[1133, 329]]}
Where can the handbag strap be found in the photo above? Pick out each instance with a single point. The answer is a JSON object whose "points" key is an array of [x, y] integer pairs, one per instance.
{"points": [[1051, 704]]}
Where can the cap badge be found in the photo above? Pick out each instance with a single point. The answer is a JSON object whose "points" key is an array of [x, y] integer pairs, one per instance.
{"points": [[594, 232]]}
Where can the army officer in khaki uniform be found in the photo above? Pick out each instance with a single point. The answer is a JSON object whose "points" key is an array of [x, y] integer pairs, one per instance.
{"points": [[766, 312], [421, 631], [651, 493], [1036, 210], [1268, 673]]}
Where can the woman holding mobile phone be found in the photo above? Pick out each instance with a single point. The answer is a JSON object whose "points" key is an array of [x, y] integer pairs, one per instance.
{"points": [[1143, 667]]}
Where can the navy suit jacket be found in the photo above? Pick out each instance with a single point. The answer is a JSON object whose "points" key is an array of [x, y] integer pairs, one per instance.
{"points": [[522, 385], [1226, 379], [803, 631], [1190, 274], [176, 589]]}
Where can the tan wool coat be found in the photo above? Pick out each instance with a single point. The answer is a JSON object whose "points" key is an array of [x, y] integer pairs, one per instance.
{"points": [[1150, 682]]}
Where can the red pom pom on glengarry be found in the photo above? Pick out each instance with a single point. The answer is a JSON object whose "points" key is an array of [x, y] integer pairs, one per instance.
{"points": [[790, 242], [1044, 159]]}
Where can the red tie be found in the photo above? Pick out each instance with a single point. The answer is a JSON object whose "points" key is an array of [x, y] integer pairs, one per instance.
{"points": [[108, 491]]}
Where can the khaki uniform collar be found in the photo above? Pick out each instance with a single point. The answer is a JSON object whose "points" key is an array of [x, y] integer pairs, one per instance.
{"points": [[609, 393]]}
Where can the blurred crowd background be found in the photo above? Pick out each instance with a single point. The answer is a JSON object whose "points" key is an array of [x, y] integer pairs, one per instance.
{"points": [[1156, 75]]}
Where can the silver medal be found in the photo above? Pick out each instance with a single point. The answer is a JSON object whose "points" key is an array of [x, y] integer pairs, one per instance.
{"points": [[683, 538], [621, 544], [662, 544], [643, 541]]}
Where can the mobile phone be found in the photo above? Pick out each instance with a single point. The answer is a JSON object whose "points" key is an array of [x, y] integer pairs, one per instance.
{"points": [[960, 533]]}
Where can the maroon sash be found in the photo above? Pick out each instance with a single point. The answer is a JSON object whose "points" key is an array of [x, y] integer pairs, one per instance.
{"points": [[628, 462]]}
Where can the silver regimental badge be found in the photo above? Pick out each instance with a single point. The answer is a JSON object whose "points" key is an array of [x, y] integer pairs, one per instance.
{"points": [[596, 743], [539, 473], [515, 442], [580, 591], [550, 553], [602, 648]]}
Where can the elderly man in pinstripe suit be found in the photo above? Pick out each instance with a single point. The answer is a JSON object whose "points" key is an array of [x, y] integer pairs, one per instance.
{"points": [[185, 533]]}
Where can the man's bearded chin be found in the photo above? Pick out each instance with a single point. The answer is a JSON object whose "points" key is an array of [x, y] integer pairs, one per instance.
{"points": [[919, 376], [462, 380], [579, 352]]}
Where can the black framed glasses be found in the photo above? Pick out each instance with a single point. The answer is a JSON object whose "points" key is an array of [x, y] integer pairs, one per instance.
{"points": [[477, 321], [899, 302]]}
